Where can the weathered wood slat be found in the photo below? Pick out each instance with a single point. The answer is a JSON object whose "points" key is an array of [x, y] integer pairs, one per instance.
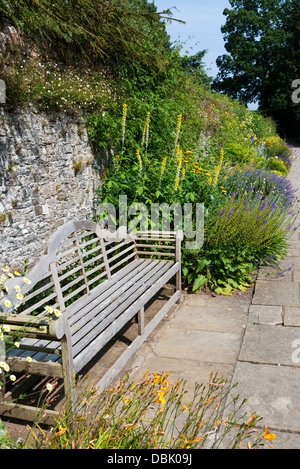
{"points": [[61, 267], [107, 297], [86, 354], [13, 410], [123, 261], [44, 302], [155, 253], [160, 246], [119, 364], [96, 279], [116, 256], [74, 293], [38, 291], [74, 310], [69, 273], [97, 318]]}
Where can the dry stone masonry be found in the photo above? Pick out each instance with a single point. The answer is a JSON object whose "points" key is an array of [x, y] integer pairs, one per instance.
{"points": [[47, 177]]}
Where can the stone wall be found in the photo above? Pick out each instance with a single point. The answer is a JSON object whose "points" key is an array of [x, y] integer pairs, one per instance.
{"points": [[47, 177]]}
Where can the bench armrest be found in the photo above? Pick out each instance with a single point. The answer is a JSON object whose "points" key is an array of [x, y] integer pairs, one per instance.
{"points": [[40, 327]]}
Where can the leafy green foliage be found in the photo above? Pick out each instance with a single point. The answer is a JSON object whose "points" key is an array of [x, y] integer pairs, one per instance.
{"points": [[240, 232], [262, 41], [275, 164], [237, 153], [99, 30]]}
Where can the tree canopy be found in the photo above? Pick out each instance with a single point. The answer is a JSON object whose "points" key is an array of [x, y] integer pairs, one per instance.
{"points": [[262, 41]]}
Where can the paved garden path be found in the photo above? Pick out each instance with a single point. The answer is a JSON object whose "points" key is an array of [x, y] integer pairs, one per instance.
{"points": [[250, 340]]}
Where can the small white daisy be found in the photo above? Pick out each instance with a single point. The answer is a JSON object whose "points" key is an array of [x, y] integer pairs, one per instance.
{"points": [[6, 367], [57, 313]]}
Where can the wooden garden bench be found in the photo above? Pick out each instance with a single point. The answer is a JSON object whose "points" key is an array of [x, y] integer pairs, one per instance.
{"points": [[99, 283]]}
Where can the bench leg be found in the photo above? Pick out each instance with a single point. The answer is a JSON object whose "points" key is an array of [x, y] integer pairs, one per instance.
{"points": [[68, 374], [67, 362], [178, 286], [141, 321]]}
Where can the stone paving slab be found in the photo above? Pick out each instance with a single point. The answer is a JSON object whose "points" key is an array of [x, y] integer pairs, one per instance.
{"points": [[212, 318], [292, 316], [273, 273], [286, 440], [272, 345], [296, 275], [265, 314], [290, 263], [217, 347], [272, 292], [272, 392], [193, 371]]}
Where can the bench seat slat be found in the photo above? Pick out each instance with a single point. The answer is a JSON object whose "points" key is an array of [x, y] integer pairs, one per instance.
{"points": [[97, 315], [115, 266], [74, 310], [106, 295], [100, 340]]}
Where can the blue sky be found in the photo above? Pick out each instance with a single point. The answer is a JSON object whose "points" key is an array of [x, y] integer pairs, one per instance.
{"points": [[202, 30]]}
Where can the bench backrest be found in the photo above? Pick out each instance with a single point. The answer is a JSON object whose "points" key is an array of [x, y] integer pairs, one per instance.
{"points": [[79, 256]]}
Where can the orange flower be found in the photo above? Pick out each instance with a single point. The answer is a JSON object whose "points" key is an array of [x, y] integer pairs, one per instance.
{"points": [[267, 435]]}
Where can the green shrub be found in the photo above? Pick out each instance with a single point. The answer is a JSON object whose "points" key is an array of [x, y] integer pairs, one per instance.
{"points": [[237, 153], [238, 235], [275, 164]]}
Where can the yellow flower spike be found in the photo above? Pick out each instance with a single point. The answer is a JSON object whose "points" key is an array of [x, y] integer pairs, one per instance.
{"points": [[218, 168], [140, 161], [178, 129], [145, 136], [124, 116], [177, 178], [163, 166]]}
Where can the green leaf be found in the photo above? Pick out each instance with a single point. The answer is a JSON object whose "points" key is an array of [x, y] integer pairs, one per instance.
{"points": [[202, 263], [199, 282]]}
